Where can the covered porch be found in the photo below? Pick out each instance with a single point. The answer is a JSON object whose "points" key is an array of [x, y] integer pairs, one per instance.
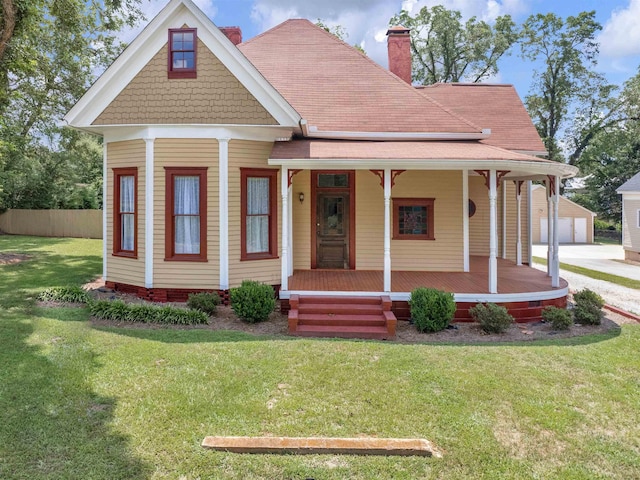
{"points": [[513, 280]]}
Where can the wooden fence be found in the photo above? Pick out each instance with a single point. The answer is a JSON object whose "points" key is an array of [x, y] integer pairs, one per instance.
{"points": [[53, 223]]}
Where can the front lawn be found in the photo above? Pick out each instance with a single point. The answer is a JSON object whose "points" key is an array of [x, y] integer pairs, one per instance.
{"points": [[79, 401]]}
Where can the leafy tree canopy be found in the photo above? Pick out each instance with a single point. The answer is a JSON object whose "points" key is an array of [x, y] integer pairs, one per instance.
{"points": [[444, 49], [49, 51]]}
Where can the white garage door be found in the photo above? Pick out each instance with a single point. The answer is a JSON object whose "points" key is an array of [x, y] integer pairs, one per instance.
{"points": [[565, 225]]}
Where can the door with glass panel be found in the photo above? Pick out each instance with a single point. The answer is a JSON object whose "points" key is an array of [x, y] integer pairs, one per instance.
{"points": [[333, 227]]}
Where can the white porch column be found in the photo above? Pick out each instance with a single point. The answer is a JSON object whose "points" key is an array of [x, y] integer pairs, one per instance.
{"points": [[465, 220], [504, 220], [223, 210], [493, 233], [290, 260], [518, 185], [387, 230], [148, 212], [284, 257], [549, 227], [555, 272], [529, 224], [105, 197]]}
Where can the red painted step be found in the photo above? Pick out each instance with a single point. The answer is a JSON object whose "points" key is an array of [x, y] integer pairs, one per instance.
{"points": [[347, 317]]}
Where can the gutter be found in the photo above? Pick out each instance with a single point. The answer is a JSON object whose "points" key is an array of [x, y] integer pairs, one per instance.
{"points": [[311, 131]]}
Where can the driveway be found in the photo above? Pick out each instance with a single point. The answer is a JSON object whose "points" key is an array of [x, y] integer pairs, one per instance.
{"points": [[603, 258]]}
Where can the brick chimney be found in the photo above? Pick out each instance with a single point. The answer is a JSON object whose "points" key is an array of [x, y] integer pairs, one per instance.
{"points": [[233, 33], [399, 50]]}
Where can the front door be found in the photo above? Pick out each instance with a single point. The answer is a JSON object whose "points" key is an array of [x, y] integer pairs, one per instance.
{"points": [[333, 219], [332, 230]]}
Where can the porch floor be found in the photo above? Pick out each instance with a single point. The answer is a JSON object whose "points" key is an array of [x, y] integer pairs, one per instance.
{"points": [[511, 279]]}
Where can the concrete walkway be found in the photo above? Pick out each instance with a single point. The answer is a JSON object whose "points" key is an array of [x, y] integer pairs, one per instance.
{"points": [[603, 258]]}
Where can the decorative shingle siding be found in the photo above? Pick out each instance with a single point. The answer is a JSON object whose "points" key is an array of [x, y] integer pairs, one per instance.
{"points": [[215, 97]]}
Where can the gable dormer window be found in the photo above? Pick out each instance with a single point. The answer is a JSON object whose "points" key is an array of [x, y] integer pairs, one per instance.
{"points": [[182, 53]]}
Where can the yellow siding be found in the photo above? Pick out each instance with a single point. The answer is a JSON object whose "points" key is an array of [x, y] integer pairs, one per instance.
{"points": [[301, 227], [186, 153], [631, 240], [370, 222], [479, 223], [216, 96], [121, 155], [445, 253], [249, 154]]}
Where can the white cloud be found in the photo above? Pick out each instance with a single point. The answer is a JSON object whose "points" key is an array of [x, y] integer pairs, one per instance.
{"points": [[620, 36], [486, 10]]}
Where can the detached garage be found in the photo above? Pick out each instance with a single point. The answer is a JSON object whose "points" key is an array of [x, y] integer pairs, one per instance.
{"points": [[575, 223]]}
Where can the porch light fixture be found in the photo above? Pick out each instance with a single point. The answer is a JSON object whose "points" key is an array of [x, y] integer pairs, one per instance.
{"points": [[301, 197]]}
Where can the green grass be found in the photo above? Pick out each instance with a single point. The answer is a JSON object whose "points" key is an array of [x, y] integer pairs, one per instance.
{"points": [[606, 240], [78, 401], [595, 274]]}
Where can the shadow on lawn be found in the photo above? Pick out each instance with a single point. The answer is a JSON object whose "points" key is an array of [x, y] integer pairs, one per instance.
{"points": [[52, 424], [45, 270]]}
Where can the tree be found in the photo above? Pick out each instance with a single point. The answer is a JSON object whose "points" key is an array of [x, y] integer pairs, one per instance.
{"points": [[444, 49], [567, 50], [49, 52], [338, 31], [610, 155]]}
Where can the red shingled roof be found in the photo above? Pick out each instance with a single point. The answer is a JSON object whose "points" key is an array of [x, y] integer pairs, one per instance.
{"points": [[433, 150], [336, 88], [497, 107]]}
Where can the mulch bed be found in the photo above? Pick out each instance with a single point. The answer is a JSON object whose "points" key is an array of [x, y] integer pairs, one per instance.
{"points": [[277, 325]]}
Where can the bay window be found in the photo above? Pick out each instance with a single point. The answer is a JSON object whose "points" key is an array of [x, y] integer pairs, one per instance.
{"points": [[125, 212]]}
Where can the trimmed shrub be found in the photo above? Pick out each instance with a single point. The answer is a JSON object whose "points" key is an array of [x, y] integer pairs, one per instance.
{"points": [[253, 301], [119, 311], [204, 301], [72, 294], [588, 307], [431, 310], [559, 318], [492, 318]]}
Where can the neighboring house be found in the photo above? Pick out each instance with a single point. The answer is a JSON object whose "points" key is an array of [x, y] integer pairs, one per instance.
{"points": [[575, 223], [630, 192], [295, 160]]}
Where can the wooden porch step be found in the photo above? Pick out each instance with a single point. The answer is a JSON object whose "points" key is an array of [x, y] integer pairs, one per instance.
{"points": [[339, 316], [343, 319], [343, 331], [341, 308]]}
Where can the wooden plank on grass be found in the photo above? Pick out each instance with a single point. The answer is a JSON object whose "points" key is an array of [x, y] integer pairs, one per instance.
{"points": [[318, 445]]}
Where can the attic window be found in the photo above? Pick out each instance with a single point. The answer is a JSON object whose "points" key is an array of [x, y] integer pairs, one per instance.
{"points": [[182, 53]]}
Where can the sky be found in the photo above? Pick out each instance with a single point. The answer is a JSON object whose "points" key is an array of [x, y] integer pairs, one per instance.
{"points": [[366, 22]]}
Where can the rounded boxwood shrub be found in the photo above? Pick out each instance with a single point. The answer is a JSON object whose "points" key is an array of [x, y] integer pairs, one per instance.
{"points": [[205, 302], [431, 310], [253, 301], [559, 318], [588, 307], [492, 318]]}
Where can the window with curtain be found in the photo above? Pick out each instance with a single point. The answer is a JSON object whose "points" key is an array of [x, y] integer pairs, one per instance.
{"points": [[186, 214], [125, 215], [259, 214]]}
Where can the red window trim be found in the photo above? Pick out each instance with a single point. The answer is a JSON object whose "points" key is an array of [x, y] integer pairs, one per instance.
{"points": [[413, 202], [183, 72], [117, 222], [170, 174], [272, 175]]}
